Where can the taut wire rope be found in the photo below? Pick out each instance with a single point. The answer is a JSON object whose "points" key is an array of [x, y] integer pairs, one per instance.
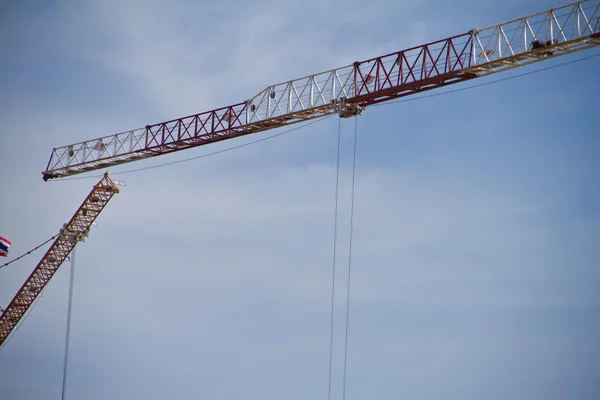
{"points": [[335, 220], [350, 258], [29, 252], [68, 329], [320, 119]]}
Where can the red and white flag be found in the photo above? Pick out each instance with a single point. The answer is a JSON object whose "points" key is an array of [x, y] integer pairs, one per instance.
{"points": [[4, 245]]}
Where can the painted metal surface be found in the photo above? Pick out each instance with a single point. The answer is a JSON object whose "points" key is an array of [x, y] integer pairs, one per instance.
{"points": [[74, 231], [349, 89]]}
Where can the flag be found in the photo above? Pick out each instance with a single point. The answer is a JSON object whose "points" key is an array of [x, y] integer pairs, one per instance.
{"points": [[4, 245]]}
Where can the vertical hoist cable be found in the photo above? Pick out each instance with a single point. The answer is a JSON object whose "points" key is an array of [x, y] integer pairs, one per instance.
{"points": [[68, 336], [350, 258], [335, 220]]}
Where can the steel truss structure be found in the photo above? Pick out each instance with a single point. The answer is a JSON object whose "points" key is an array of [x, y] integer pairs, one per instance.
{"points": [[73, 232], [348, 90]]}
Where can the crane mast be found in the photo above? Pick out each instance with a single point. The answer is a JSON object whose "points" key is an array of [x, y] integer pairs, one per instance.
{"points": [[350, 89], [76, 230]]}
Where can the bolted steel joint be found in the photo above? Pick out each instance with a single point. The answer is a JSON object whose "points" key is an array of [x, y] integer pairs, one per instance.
{"points": [[73, 237]]}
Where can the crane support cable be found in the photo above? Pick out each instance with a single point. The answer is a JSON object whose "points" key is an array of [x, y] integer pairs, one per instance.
{"points": [[29, 252], [203, 155], [74, 231], [349, 89], [166, 164], [508, 78]]}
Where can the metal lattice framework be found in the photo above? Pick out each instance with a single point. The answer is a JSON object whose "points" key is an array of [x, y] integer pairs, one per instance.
{"points": [[348, 90], [554, 32], [74, 231]]}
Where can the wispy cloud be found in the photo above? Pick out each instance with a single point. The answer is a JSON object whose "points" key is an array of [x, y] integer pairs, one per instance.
{"points": [[474, 250]]}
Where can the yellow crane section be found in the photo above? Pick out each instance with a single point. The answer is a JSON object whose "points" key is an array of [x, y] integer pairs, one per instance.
{"points": [[76, 230]]}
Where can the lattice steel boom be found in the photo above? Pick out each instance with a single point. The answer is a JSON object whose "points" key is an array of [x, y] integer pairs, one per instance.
{"points": [[348, 90], [74, 231]]}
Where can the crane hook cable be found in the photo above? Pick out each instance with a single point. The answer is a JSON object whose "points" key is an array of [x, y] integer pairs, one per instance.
{"points": [[68, 328], [335, 226], [29, 252], [335, 229], [350, 257]]}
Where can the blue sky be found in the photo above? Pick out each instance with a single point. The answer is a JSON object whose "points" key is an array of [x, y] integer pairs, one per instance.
{"points": [[476, 217]]}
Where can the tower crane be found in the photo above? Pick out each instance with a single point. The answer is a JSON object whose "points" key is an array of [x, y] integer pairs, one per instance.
{"points": [[73, 232], [350, 89], [346, 91]]}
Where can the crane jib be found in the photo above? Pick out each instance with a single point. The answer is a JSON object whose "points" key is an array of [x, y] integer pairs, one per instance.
{"points": [[73, 232], [349, 89]]}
